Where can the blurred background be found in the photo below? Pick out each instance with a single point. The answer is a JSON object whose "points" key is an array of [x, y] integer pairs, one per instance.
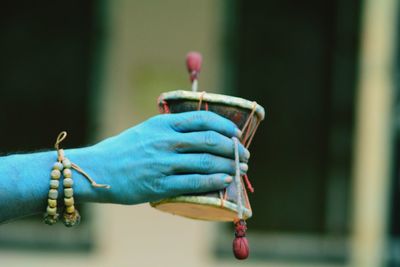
{"points": [[325, 163]]}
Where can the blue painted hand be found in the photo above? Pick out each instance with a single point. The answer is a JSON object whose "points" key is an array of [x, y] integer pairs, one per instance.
{"points": [[169, 155]]}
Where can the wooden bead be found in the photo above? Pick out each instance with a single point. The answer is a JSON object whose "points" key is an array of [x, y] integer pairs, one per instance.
{"points": [[54, 184], [51, 211], [55, 174], [66, 163], [58, 166], [53, 194], [68, 182], [52, 203], [70, 209], [69, 201], [67, 173], [68, 192]]}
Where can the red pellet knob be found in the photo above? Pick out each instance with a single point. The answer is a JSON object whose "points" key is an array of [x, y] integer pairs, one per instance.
{"points": [[193, 63], [240, 244], [241, 248]]}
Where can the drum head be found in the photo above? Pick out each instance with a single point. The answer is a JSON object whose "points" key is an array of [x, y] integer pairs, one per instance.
{"points": [[236, 109], [201, 208], [232, 101]]}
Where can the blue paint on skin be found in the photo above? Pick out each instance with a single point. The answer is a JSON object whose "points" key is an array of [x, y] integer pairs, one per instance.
{"points": [[161, 157]]}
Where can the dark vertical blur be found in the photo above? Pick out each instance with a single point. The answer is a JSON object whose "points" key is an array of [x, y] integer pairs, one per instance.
{"points": [[394, 227], [299, 60], [46, 54], [394, 224]]}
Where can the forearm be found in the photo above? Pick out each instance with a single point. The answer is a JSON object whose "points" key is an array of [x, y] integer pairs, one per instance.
{"points": [[24, 182], [165, 156]]}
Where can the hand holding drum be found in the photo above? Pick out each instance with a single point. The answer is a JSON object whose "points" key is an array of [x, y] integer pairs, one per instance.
{"points": [[231, 203]]}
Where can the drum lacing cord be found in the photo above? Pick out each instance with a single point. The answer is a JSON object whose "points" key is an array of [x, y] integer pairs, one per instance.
{"points": [[165, 106], [238, 181], [240, 245], [201, 101], [248, 130]]}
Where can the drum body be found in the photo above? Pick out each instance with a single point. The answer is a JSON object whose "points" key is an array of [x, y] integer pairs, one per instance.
{"points": [[220, 205]]}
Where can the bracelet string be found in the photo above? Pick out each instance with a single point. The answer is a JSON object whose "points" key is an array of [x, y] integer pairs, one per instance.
{"points": [[62, 169], [60, 154]]}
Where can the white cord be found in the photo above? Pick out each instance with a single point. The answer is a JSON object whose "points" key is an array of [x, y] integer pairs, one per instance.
{"points": [[238, 181]]}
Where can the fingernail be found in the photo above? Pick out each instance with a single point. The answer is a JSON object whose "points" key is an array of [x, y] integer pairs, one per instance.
{"points": [[228, 179], [246, 154], [238, 133], [244, 167]]}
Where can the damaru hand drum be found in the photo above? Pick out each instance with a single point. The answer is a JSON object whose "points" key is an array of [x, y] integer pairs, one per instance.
{"points": [[221, 205]]}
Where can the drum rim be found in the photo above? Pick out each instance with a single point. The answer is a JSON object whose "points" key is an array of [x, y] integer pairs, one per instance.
{"points": [[203, 200], [214, 98]]}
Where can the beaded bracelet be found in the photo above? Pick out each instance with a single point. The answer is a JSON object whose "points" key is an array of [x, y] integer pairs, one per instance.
{"points": [[71, 215], [51, 215], [63, 167]]}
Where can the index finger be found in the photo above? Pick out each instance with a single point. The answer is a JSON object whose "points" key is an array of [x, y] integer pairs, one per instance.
{"points": [[195, 121]]}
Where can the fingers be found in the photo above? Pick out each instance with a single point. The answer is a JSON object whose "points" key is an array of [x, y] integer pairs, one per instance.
{"points": [[195, 121], [204, 164], [195, 183], [210, 142]]}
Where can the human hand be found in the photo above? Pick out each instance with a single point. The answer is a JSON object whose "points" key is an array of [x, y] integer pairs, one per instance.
{"points": [[167, 155]]}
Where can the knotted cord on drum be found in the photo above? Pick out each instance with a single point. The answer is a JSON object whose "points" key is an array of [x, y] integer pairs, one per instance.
{"points": [[252, 134], [248, 184], [165, 106], [247, 141], [246, 128], [238, 181], [201, 101]]}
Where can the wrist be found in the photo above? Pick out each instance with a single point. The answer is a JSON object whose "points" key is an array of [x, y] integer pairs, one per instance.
{"points": [[89, 160]]}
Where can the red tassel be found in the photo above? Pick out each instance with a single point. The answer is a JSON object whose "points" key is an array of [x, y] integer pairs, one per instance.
{"points": [[240, 244]]}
